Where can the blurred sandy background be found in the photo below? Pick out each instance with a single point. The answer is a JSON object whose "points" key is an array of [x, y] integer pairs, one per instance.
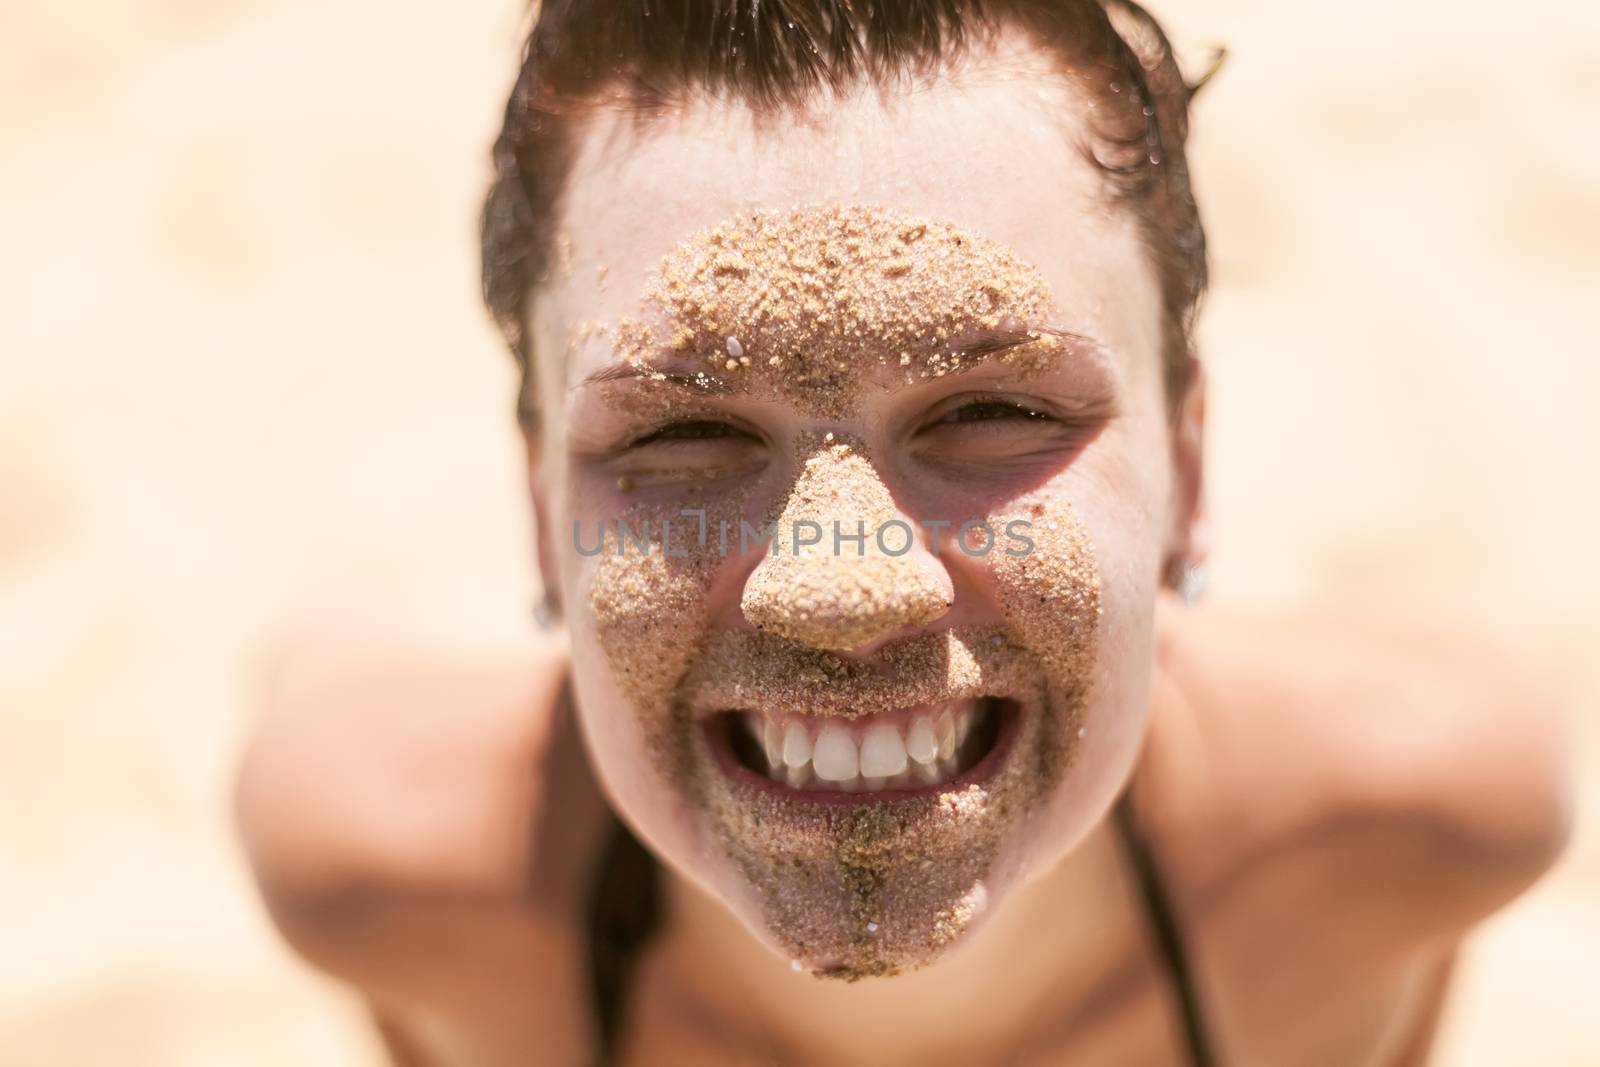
{"points": [[243, 371]]}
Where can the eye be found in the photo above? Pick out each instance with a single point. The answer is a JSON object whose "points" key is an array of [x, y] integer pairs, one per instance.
{"points": [[988, 432], [989, 410], [690, 430]]}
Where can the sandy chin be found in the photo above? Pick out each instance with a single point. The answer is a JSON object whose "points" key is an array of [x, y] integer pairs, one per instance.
{"points": [[884, 886]]}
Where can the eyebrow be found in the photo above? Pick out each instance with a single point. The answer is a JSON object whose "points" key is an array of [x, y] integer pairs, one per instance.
{"points": [[698, 382], [983, 344], [975, 349]]}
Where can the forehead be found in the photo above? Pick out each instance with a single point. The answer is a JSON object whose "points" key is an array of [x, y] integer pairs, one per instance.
{"points": [[991, 146]]}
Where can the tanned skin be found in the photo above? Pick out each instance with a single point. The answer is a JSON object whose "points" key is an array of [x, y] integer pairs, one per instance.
{"points": [[1334, 805]]}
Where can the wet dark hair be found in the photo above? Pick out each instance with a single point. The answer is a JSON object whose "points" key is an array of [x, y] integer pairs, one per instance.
{"points": [[644, 54]]}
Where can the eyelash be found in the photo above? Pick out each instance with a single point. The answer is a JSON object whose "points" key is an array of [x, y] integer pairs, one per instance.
{"points": [[694, 429], [678, 431], [1009, 408]]}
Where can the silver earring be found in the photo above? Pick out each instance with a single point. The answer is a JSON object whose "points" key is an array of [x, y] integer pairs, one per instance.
{"points": [[1193, 580], [546, 615]]}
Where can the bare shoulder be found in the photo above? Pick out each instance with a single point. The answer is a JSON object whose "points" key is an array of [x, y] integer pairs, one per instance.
{"points": [[1337, 802], [417, 822], [389, 762], [1435, 756]]}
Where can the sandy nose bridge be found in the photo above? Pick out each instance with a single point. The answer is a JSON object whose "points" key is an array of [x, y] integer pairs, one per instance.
{"points": [[848, 568]]}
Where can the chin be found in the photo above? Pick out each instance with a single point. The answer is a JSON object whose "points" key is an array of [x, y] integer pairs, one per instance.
{"points": [[855, 875]]}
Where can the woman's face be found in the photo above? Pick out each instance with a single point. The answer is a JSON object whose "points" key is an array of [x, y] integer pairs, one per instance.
{"points": [[795, 357]]}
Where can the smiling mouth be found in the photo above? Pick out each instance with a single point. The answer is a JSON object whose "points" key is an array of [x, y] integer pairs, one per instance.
{"points": [[827, 757]]}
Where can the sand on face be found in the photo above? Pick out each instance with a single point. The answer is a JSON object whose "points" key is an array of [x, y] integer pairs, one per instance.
{"points": [[821, 297], [226, 276]]}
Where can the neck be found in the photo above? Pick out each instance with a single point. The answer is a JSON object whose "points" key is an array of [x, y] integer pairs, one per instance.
{"points": [[1046, 947]]}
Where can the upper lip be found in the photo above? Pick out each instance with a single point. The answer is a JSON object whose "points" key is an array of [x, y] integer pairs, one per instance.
{"points": [[846, 709], [770, 675], [722, 694]]}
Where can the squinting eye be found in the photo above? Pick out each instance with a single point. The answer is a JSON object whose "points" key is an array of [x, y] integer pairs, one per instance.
{"points": [[691, 430], [987, 410]]}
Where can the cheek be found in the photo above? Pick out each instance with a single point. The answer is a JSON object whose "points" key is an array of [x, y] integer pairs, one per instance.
{"points": [[1047, 582], [1082, 598], [640, 608], [637, 619], [1093, 551]]}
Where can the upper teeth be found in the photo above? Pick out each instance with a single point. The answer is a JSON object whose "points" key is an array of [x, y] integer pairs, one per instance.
{"points": [[806, 752]]}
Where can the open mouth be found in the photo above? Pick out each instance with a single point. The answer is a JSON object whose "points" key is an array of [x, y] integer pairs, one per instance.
{"points": [[911, 750]]}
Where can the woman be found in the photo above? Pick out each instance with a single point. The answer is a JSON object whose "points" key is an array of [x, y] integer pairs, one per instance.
{"points": [[863, 430]]}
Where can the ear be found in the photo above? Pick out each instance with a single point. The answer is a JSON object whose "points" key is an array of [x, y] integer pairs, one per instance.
{"points": [[543, 531], [1187, 539]]}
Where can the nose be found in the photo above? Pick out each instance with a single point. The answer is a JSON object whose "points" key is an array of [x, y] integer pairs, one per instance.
{"points": [[846, 569]]}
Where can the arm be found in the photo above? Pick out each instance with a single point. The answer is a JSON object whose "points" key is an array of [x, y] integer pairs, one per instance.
{"points": [[415, 828], [1353, 797], [1357, 722]]}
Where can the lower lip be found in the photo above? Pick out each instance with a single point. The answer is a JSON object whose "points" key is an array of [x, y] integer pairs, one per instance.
{"points": [[713, 734]]}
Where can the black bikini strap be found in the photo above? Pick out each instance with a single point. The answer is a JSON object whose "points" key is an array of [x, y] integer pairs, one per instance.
{"points": [[623, 913], [1165, 927]]}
